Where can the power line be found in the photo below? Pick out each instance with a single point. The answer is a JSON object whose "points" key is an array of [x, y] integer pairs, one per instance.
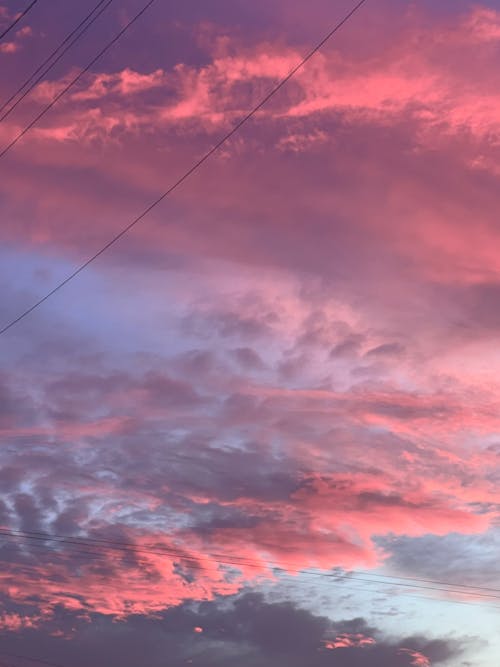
{"points": [[182, 458], [103, 548], [236, 560], [182, 178], [159, 550], [83, 26], [346, 582], [16, 21], [76, 79], [366, 573]]}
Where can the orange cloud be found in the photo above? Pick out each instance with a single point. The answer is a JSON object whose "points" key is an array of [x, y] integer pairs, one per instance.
{"points": [[347, 640], [417, 658]]}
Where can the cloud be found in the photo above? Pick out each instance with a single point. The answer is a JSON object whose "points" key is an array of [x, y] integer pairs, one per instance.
{"points": [[210, 478], [386, 349], [9, 47], [418, 85], [471, 560], [126, 82], [247, 357], [292, 362], [349, 640], [484, 24], [257, 631], [200, 450], [15, 44], [417, 659]]}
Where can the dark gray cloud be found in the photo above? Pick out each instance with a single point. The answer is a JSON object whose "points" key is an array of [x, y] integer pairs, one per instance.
{"points": [[246, 629]]}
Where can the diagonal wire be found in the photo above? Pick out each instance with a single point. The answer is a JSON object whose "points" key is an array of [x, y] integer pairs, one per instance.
{"points": [[75, 79], [76, 34], [186, 174], [16, 21]]}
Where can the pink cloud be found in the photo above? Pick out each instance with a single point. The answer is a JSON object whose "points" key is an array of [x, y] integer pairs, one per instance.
{"points": [[339, 248], [113, 586], [9, 47], [127, 82], [27, 31], [418, 84], [484, 24], [418, 88], [16, 622], [15, 45]]}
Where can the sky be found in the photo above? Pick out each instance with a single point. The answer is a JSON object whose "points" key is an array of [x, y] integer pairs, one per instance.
{"points": [[263, 427]]}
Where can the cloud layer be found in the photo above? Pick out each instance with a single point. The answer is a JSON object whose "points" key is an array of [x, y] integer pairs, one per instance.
{"points": [[291, 364]]}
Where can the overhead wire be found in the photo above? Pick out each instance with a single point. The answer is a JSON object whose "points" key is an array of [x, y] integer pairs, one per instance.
{"points": [[17, 19], [366, 573], [152, 549], [182, 458], [239, 561], [172, 551], [77, 33], [193, 460], [75, 80], [132, 549], [345, 582], [100, 547], [184, 176], [128, 548]]}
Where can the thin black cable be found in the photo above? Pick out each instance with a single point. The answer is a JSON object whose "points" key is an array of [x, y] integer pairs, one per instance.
{"points": [[427, 581], [76, 79], [427, 588], [235, 560], [47, 60], [88, 556], [99, 549], [16, 21], [106, 546], [345, 582], [186, 174], [181, 458], [241, 560]]}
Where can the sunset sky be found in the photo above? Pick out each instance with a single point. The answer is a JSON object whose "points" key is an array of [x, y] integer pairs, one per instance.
{"points": [[262, 429]]}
